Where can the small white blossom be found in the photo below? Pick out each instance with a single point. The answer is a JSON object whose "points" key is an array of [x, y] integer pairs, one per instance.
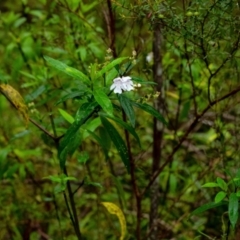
{"points": [[122, 84], [149, 57]]}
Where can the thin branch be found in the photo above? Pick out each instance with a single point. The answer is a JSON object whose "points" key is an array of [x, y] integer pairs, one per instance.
{"points": [[190, 129], [133, 182], [73, 208], [43, 129]]}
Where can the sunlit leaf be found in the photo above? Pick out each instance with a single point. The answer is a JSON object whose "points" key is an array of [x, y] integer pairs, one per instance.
{"points": [[110, 66], [222, 184], [66, 115], [220, 196], [68, 70], [103, 100], [114, 209], [210, 184], [16, 100]]}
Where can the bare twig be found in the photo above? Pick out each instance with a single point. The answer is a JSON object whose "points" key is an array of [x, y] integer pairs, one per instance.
{"points": [[189, 130]]}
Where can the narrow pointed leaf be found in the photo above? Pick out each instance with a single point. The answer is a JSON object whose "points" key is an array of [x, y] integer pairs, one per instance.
{"points": [[207, 206], [101, 142], [220, 196], [210, 184], [114, 209], [66, 115], [128, 108], [103, 100], [71, 139], [110, 66], [151, 110], [124, 125], [118, 142], [233, 209], [68, 70], [222, 184]]}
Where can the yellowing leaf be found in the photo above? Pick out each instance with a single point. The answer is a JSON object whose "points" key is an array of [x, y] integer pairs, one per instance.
{"points": [[16, 100], [114, 209]]}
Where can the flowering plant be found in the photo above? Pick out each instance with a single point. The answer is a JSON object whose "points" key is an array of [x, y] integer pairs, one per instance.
{"points": [[122, 84], [96, 108]]}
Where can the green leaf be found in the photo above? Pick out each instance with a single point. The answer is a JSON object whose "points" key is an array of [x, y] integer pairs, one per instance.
{"points": [[233, 209], [71, 139], [127, 107], [207, 206], [66, 115], [124, 125], [210, 184], [220, 196], [73, 142], [118, 142], [68, 70], [113, 73], [139, 80], [238, 193], [103, 100], [110, 66], [90, 126], [147, 108], [105, 141], [100, 141], [75, 94], [222, 184], [237, 183], [95, 184], [83, 157]]}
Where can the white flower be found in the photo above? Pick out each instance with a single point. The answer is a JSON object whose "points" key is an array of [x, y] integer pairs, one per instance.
{"points": [[149, 57], [122, 84]]}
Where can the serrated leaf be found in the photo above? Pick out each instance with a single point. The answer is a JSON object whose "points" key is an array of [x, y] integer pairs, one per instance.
{"points": [[127, 107], [233, 209], [110, 66], [114, 209], [207, 206], [210, 184], [103, 100], [66, 115], [68, 70], [220, 196], [124, 125], [222, 184], [118, 142], [16, 100], [147, 108]]}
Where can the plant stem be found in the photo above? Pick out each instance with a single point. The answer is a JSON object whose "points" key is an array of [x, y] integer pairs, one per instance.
{"points": [[134, 184], [75, 220]]}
